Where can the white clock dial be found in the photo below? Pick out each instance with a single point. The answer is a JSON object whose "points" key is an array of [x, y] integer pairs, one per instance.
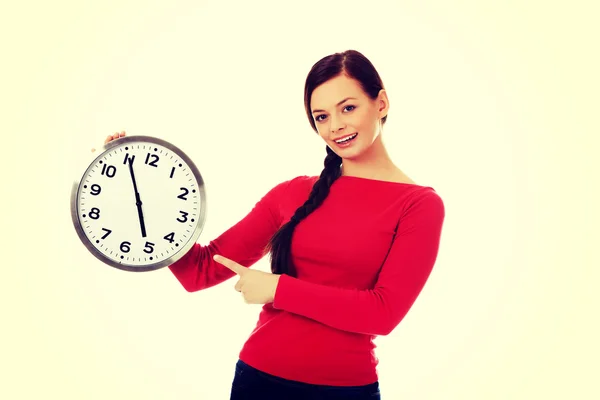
{"points": [[140, 205]]}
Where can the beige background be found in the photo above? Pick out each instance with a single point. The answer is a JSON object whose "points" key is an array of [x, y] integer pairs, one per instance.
{"points": [[494, 104]]}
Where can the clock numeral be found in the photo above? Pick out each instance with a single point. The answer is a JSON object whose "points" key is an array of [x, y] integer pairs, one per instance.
{"points": [[125, 247], [94, 213], [172, 172], [95, 189], [184, 215], [108, 170], [128, 159], [154, 159], [149, 249], [182, 195], [170, 237], [108, 231]]}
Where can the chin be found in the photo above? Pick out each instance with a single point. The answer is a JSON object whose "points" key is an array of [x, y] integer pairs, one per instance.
{"points": [[360, 150], [351, 153]]}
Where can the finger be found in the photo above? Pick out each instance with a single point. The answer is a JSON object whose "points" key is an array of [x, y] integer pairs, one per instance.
{"points": [[122, 134], [108, 139], [232, 265]]}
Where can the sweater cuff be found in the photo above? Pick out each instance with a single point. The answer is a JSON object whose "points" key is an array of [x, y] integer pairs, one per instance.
{"points": [[286, 291]]}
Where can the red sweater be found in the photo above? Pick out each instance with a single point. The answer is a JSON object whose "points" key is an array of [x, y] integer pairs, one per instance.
{"points": [[355, 280]]}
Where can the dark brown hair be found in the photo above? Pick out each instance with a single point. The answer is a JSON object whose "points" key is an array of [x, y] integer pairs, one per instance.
{"points": [[356, 66]]}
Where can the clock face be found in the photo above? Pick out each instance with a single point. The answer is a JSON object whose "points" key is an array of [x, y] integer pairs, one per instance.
{"points": [[140, 205]]}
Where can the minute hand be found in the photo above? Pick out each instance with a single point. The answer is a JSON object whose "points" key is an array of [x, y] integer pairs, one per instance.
{"points": [[138, 200]]}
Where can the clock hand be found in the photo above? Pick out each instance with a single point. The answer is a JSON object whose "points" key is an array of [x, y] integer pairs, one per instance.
{"points": [[138, 200]]}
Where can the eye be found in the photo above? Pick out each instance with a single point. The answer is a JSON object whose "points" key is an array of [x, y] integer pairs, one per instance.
{"points": [[317, 118], [349, 106]]}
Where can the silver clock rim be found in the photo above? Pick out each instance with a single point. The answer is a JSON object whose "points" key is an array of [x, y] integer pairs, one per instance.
{"points": [[199, 225]]}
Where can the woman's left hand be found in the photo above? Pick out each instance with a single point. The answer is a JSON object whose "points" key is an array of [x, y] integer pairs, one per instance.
{"points": [[257, 287]]}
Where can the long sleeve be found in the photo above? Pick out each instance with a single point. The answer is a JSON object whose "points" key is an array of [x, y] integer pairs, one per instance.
{"points": [[379, 310], [244, 243]]}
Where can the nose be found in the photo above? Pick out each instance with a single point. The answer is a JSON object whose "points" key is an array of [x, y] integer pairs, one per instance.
{"points": [[336, 124]]}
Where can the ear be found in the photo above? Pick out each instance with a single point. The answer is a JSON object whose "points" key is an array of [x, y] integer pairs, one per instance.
{"points": [[383, 103]]}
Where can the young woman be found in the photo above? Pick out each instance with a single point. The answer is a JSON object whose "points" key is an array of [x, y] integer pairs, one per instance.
{"points": [[350, 250]]}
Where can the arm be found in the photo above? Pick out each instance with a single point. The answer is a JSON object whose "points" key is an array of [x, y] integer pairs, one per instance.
{"points": [[379, 310], [244, 242]]}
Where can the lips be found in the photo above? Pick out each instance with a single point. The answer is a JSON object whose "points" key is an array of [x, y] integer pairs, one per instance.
{"points": [[342, 139]]}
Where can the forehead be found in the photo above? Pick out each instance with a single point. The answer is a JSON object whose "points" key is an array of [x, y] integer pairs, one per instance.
{"points": [[331, 92]]}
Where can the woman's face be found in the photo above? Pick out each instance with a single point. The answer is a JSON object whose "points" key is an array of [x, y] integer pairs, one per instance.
{"points": [[340, 109]]}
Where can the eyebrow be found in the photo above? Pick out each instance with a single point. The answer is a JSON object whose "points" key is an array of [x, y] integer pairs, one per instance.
{"points": [[338, 104]]}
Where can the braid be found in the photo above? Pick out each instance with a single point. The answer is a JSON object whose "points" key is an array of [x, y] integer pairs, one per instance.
{"points": [[280, 243]]}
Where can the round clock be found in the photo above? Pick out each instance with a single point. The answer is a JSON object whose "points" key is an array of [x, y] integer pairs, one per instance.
{"points": [[140, 205]]}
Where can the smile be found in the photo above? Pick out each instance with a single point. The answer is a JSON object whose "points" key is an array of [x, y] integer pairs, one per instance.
{"points": [[346, 138]]}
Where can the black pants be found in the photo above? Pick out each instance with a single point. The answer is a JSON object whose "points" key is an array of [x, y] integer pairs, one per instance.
{"points": [[250, 384]]}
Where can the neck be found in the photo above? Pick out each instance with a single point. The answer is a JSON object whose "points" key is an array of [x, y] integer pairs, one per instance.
{"points": [[374, 163]]}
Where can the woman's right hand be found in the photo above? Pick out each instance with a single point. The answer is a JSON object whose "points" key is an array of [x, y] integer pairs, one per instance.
{"points": [[112, 137]]}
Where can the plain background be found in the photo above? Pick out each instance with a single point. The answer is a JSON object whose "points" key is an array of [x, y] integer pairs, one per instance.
{"points": [[494, 104]]}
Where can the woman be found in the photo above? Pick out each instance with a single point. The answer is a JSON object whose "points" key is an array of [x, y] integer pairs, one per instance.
{"points": [[350, 250]]}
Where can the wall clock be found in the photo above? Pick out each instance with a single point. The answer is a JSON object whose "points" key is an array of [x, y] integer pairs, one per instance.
{"points": [[140, 204]]}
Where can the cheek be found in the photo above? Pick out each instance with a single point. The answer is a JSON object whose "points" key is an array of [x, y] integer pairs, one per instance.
{"points": [[360, 121], [322, 129]]}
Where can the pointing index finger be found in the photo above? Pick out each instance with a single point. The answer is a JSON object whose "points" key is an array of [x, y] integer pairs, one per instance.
{"points": [[232, 265]]}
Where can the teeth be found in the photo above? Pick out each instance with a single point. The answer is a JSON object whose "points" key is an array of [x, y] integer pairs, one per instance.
{"points": [[346, 139]]}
